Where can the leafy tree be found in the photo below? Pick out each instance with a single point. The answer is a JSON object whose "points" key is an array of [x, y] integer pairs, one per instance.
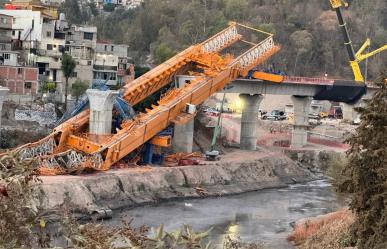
{"points": [[367, 169], [47, 87], [93, 8], [138, 71], [72, 10], [78, 88], [109, 7], [163, 53], [236, 9], [68, 66]]}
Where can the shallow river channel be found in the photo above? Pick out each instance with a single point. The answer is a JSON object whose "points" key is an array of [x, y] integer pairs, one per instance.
{"points": [[256, 216]]}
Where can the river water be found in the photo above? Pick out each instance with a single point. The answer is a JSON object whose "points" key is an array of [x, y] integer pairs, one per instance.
{"points": [[263, 216]]}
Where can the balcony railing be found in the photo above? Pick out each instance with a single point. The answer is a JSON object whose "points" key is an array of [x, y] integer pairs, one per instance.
{"points": [[104, 68], [50, 53]]}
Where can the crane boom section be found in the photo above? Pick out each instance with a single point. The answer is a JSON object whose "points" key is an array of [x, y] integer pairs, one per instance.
{"points": [[72, 148]]}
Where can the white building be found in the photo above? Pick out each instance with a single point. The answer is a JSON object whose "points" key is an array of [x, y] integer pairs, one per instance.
{"points": [[29, 25], [112, 63]]}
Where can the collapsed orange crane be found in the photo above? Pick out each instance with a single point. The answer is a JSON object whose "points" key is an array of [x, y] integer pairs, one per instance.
{"points": [[70, 147]]}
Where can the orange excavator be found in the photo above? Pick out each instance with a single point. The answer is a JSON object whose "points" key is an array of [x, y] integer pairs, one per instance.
{"points": [[211, 65]]}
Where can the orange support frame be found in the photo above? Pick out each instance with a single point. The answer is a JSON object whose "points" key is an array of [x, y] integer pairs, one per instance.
{"points": [[210, 71]]}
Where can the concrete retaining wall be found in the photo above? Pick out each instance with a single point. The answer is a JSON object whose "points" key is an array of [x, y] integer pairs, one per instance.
{"points": [[125, 188]]}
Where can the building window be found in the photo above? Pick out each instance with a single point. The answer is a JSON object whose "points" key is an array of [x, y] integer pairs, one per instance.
{"points": [[48, 34], [74, 75], [6, 56], [105, 47], [88, 36], [2, 46], [112, 48], [49, 46], [13, 32], [89, 63], [19, 70], [28, 85]]}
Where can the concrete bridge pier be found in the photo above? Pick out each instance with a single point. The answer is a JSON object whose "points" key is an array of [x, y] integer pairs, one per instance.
{"points": [[3, 93], [349, 112], [182, 140], [301, 105], [248, 137], [101, 108]]}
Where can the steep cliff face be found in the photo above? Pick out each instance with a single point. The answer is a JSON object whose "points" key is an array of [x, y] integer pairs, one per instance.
{"points": [[125, 188]]}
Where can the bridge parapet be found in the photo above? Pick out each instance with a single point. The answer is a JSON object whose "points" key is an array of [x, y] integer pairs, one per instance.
{"points": [[308, 80]]}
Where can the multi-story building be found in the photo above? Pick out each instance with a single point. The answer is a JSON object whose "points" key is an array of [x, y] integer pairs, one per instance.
{"points": [[45, 38], [18, 78], [34, 29], [112, 64], [81, 42], [41, 38]]}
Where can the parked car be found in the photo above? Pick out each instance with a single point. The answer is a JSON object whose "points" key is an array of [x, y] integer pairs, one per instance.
{"points": [[211, 112], [274, 115]]}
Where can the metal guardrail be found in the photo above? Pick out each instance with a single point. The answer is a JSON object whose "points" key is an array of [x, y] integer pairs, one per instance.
{"points": [[325, 136]]}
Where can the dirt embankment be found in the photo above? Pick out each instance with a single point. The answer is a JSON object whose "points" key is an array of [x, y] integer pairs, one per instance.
{"points": [[238, 172]]}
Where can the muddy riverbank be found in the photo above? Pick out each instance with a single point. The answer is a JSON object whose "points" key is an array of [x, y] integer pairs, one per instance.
{"points": [[127, 188]]}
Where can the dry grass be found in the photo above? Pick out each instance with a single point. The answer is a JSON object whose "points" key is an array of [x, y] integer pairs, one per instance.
{"points": [[327, 231]]}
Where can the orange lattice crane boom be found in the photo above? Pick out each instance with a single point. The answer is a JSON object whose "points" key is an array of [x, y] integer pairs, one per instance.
{"points": [[212, 64]]}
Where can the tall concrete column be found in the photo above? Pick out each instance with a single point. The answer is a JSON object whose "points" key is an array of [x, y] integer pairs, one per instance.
{"points": [[101, 107], [182, 140], [248, 139], [183, 137], [349, 112], [3, 93], [301, 107]]}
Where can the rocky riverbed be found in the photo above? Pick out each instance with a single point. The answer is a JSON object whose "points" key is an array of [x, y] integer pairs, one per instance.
{"points": [[237, 172]]}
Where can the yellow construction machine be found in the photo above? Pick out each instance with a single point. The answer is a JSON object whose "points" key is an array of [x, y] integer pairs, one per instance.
{"points": [[354, 58]]}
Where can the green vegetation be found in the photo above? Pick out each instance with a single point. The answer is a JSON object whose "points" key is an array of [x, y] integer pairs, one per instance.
{"points": [[2, 2], [77, 15], [368, 173], [138, 71], [78, 88], [308, 31], [333, 164], [47, 87], [68, 66]]}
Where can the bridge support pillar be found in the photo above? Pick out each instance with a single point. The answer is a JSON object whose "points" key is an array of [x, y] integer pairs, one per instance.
{"points": [[349, 112], [183, 137], [301, 107], [248, 139], [3, 93], [183, 134], [101, 107]]}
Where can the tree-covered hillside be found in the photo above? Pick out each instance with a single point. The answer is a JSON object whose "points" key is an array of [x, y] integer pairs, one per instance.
{"points": [[307, 30]]}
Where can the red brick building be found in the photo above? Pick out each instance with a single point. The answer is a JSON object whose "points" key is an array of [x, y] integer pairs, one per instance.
{"points": [[20, 80]]}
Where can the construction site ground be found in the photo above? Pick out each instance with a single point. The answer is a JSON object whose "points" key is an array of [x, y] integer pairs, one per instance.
{"points": [[236, 172]]}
